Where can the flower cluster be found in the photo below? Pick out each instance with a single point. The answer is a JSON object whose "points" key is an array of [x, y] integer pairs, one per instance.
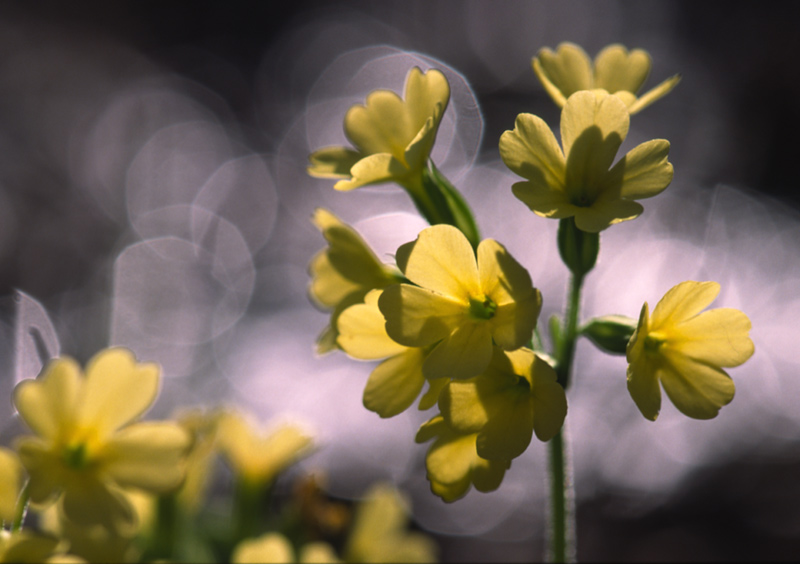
{"points": [[460, 313]]}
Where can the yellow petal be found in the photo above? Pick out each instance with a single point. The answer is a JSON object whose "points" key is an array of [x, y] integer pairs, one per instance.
{"points": [[333, 162], [45, 468], [605, 213], [426, 95], [682, 302], [718, 337], [418, 317], [563, 72], [544, 200], [328, 287], [617, 69], [117, 390], [513, 324], [642, 372], [697, 390], [461, 402], [374, 169], [48, 403], [10, 483], [549, 400], [318, 553], [382, 125], [509, 428], [465, 353], [642, 173], [395, 383], [269, 547], [431, 397], [89, 502], [531, 151], [654, 94], [502, 278], [362, 333], [148, 456], [419, 149]]}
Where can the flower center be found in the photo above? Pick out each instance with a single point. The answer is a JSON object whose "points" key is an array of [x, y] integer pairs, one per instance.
{"points": [[75, 456], [653, 341], [482, 308]]}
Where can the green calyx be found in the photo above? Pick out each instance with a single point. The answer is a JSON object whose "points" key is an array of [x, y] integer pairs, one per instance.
{"points": [[482, 309]]}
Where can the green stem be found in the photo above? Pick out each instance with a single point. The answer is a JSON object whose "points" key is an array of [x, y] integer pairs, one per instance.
{"points": [[22, 508]]}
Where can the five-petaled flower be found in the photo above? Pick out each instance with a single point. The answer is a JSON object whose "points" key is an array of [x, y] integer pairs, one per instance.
{"points": [[458, 303], [685, 350], [87, 444], [393, 137], [615, 70], [577, 181]]}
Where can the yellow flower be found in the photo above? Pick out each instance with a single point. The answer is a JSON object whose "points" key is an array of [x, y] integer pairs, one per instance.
{"points": [[393, 138], [256, 456], [202, 427], [686, 350], [10, 484], [87, 444], [398, 380], [379, 531], [22, 546], [516, 396], [276, 548], [577, 182], [615, 70], [343, 273], [453, 463], [459, 304]]}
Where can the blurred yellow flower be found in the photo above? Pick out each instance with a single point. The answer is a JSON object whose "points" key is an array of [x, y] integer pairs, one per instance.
{"points": [[259, 456], [274, 548], [202, 427], [87, 444], [577, 182], [379, 532], [615, 70], [686, 350], [516, 396], [453, 463], [343, 273], [459, 304], [398, 380], [23, 547], [393, 137], [10, 484]]}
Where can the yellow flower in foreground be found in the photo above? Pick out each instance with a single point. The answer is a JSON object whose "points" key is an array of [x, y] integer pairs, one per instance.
{"points": [[516, 396], [274, 548], [343, 273], [453, 463], [10, 484], [577, 182], [685, 350], [22, 546], [459, 304], [258, 457], [88, 445], [397, 381], [615, 70], [393, 138], [379, 531]]}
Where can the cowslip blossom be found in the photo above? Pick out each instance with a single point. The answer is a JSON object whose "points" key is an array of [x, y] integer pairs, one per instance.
{"points": [[580, 181], [615, 70], [517, 395], [397, 381], [274, 547], [459, 303], [88, 444], [684, 349], [343, 273], [393, 137]]}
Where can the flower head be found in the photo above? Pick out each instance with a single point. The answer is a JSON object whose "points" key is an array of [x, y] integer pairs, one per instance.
{"points": [[685, 350], [393, 137], [577, 181], [458, 303], [343, 273], [87, 443], [398, 380], [274, 547], [516, 396], [615, 70]]}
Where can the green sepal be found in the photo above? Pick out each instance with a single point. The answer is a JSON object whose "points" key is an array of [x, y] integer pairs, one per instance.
{"points": [[610, 333], [578, 249], [445, 204], [554, 324]]}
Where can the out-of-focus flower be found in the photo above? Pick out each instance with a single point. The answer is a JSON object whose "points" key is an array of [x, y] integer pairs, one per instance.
{"points": [[615, 70], [397, 381], [685, 350], [516, 396], [453, 463], [202, 427], [276, 548], [23, 547], [258, 456], [87, 444], [379, 532], [343, 273], [393, 137], [459, 304], [10, 483], [577, 182]]}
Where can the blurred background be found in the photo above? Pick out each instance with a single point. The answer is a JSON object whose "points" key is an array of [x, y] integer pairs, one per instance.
{"points": [[153, 194]]}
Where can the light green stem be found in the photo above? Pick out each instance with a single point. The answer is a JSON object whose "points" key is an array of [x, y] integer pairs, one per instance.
{"points": [[22, 508]]}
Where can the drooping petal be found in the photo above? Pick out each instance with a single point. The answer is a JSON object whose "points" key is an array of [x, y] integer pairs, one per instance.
{"points": [[362, 333], [333, 162], [564, 72], [642, 173], [642, 378], [683, 301], [328, 286], [395, 383], [117, 390], [148, 456], [373, 169], [549, 399], [544, 200], [418, 317], [697, 390], [49, 402], [605, 213], [718, 337], [654, 94], [531, 151], [509, 428], [617, 69], [465, 353]]}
